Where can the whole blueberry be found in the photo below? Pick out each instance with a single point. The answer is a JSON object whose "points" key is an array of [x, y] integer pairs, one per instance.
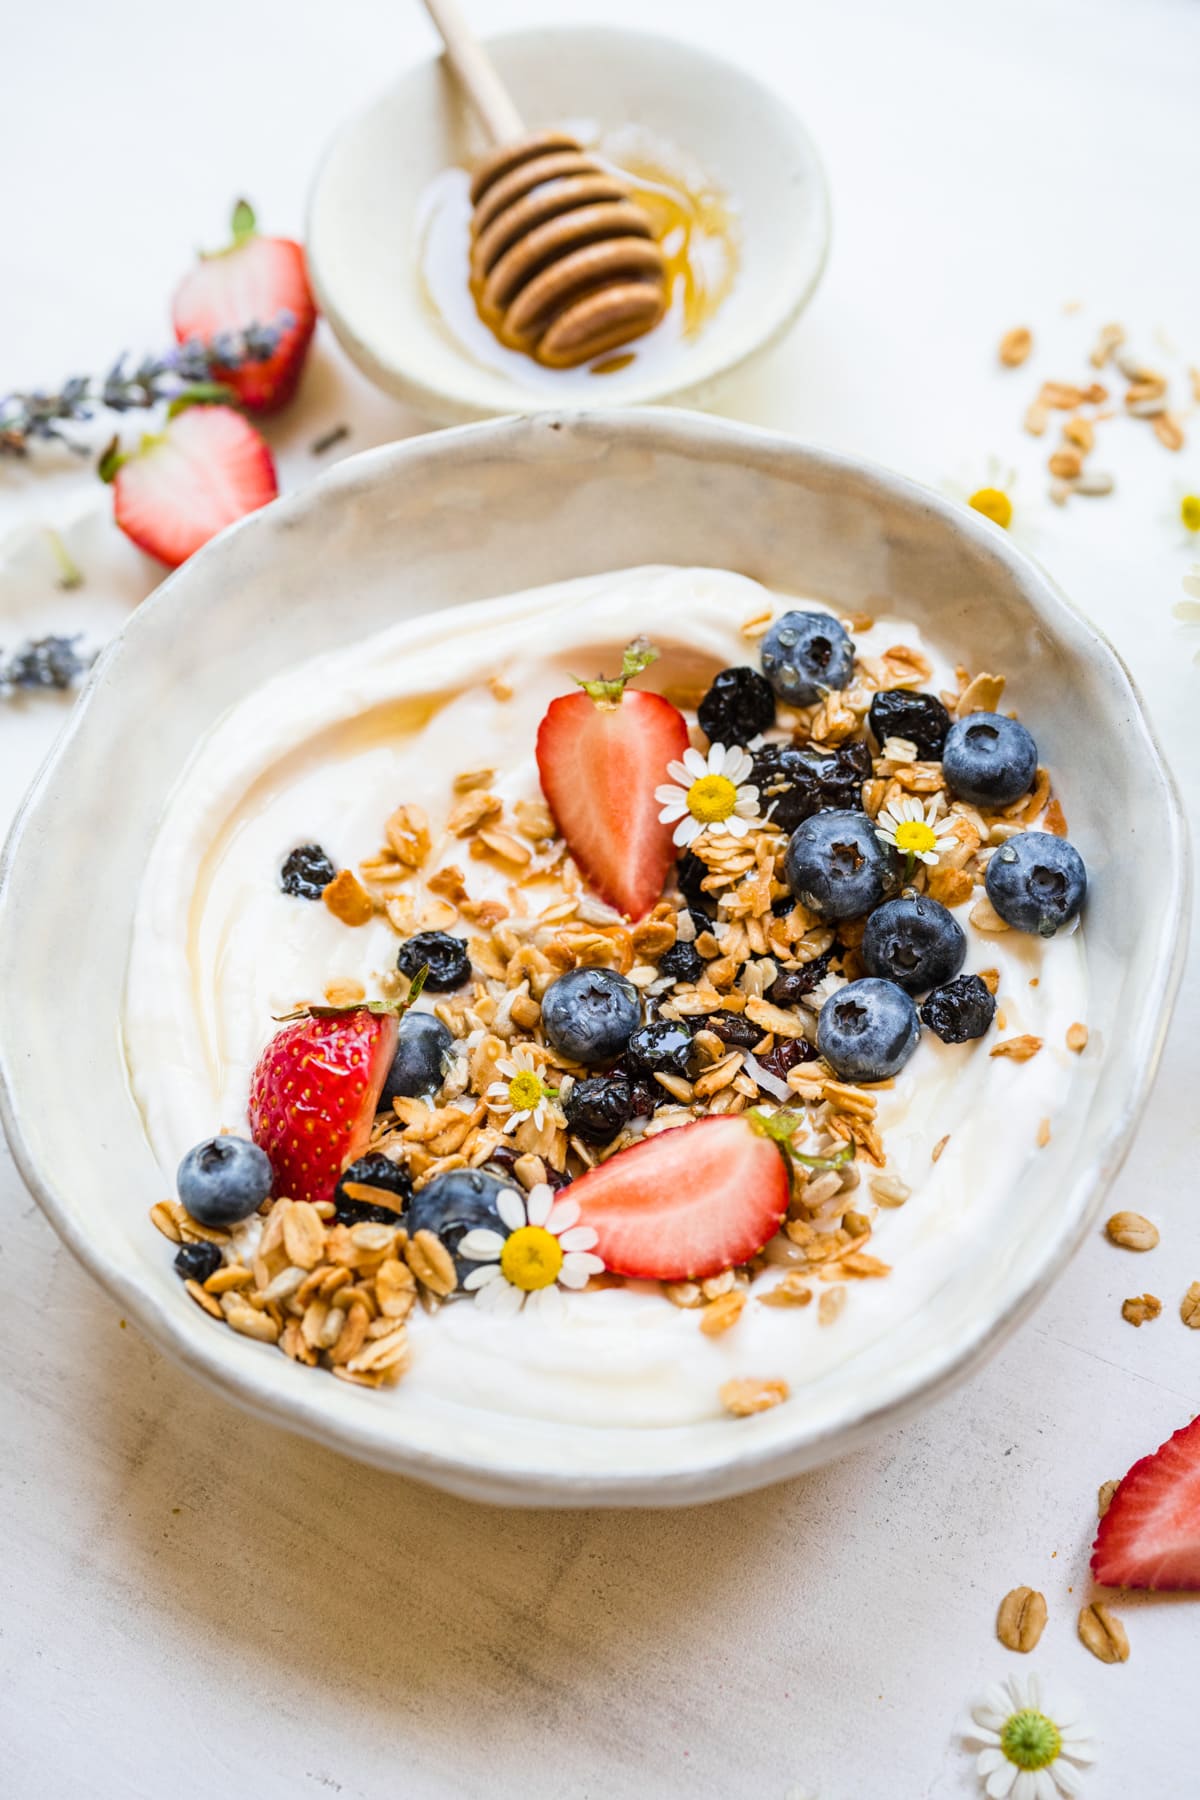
{"points": [[417, 1065], [446, 958], [796, 781], [664, 1046], [921, 718], [453, 1204], [961, 1010], [988, 759], [837, 867], [224, 1180], [868, 1030], [682, 962], [374, 1170], [914, 941], [306, 873], [196, 1262], [737, 707], [589, 1014], [805, 654], [1037, 882], [597, 1108]]}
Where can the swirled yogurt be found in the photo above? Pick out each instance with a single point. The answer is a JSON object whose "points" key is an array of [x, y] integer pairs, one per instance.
{"points": [[323, 753]]}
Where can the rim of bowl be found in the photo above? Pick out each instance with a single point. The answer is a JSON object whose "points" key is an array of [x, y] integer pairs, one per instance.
{"points": [[745, 1465], [456, 405]]}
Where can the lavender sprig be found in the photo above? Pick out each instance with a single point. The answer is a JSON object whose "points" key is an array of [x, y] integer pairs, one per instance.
{"points": [[44, 663], [185, 372]]}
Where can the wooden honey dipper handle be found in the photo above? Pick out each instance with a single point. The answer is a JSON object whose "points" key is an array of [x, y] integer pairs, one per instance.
{"points": [[565, 264]]}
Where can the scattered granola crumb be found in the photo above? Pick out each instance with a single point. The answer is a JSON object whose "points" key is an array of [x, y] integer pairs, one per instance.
{"points": [[935, 1154], [984, 916], [345, 993], [1021, 1619], [722, 1312], [1015, 346], [745, 1396], [1189, 1307], [1077, 1037], [1043, 1133], [348, 900], [1103, 1633], [1131, 1231], [501, 689], [991, 980], [1019, 1049], [1141, 1307], [1105, 1496], [830, 1305]]}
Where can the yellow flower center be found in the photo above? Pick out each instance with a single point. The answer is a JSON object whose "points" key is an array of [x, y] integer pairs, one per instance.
{"points": [[525, 1090], [712, 798], [916, 836], [531, 1258], [1189, 512], [994, 504]]}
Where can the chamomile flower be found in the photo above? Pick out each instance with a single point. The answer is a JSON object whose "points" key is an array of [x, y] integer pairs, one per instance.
{"points": [[910, 828], [522, 1094], [1028, 1749], [712, 794], [545, 1249]]}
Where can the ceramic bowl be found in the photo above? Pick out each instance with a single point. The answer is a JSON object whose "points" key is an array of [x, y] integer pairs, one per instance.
{"points": [[365, 216], [493, 508]]}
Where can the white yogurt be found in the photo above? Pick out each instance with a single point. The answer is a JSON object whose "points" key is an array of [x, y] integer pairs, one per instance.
{"points": [[324, 753]]}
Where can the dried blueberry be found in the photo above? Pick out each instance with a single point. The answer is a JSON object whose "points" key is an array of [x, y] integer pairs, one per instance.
{"points": [[737, 707], [689, 873], [805, 654], [735, 1030], [921, 718], [960, 1010], [446, 958], [307, 872], [682, 962], [196, 1262], [791, 985], [377, 1171], [597, 1108], [788, 1052], [795, 782], [662, 1047]]}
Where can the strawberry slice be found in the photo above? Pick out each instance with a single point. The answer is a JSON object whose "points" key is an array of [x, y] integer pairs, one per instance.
{"points": [[314, 1094], [688, 1203], [601, 753], [206, 468], [1150, 1535], [255, 281]]}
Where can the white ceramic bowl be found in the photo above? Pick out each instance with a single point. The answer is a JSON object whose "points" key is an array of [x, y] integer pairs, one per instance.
{"points": [[457, 517], [363, 232]]}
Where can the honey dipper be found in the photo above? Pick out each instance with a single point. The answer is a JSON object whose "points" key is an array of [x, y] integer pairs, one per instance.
{"points": [[564, 262]]}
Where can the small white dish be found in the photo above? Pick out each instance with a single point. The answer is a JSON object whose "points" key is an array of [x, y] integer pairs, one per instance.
{"points": [[457, 517], [365, 227]]}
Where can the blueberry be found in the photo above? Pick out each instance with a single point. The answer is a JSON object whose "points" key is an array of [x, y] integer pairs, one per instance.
{"points": [[914, 941], [737, 707], [735, 1030], [790, 986], [451, 1205], [597, 1108], [868, 1030], [307, 872], [689, 873], [805, 654], [196, 1262], [417, 1065], [961, 1010], [662, 1047], [921, 718], [377, 1171], [224, 1180], [797, 782], [682, 962], [988, 759], [1037, 882], [837, 867], [446, 958], [588, 1014]]}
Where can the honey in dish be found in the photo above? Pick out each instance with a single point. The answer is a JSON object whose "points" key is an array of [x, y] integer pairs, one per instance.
{"points": [[694, 223]]}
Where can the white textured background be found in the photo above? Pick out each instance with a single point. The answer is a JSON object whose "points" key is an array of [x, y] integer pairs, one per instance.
{"points": [[194, 1604]]}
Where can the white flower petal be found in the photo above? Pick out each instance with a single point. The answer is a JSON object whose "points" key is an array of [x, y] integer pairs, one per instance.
{"points": [[482, 1277], [481, 1245], [669, 790], [511, 1208], [681, 773], [546, 1303], [578, 1266], [564, 1215], [715, 760], [1043, 1784], [538, 1203], [1025, 1786], [694, 766], [676, 810], [989, 1760], [687, 831], [927, 856], [579, 1237], [999, 1782], [983, 1735], [1079, 1750], [735, 826], [1066, 1780], [518, 1118]]}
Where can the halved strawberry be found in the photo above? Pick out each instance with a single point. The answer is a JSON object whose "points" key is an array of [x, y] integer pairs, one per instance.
{"points": [[207, 467], [314, 1093], [1150, 1535], [252, 282], [688, 1203], [601, 753]]}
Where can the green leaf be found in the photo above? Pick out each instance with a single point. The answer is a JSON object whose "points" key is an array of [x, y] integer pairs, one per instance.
{"points": [[244, 223], [200, 393], [607, 690], [111, 459], [781, 1127]]}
